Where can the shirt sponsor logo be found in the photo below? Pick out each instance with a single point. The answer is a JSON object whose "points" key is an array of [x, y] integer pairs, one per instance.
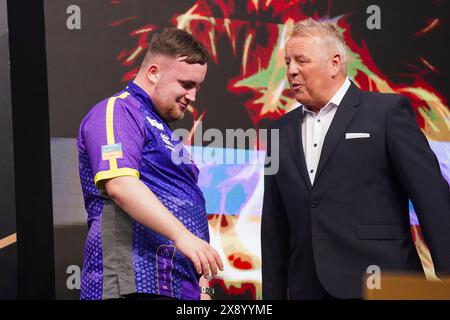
{"points": [[155, 123], [166, 140], [111, 151], [164, 265]]}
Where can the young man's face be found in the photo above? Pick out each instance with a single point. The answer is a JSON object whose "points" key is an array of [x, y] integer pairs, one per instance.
{"points": [[176, 87]]}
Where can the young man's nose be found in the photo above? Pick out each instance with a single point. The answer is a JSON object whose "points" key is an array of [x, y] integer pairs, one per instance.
{"points": [[190, 95]]}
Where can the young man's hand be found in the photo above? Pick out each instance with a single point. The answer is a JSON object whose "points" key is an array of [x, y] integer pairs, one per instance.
{"points": [[204, 257]]}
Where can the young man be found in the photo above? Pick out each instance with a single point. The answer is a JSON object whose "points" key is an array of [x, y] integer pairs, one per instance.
{"points": [[148, 230]]}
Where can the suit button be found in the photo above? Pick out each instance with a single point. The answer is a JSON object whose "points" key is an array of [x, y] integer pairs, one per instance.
{"points": [[314, 204]]}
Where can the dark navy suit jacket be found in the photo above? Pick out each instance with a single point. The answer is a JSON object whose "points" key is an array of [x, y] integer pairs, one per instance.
{"points": [[356, 213]]}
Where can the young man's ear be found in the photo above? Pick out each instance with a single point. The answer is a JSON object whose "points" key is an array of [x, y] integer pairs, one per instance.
{"points": [[153, 73]]}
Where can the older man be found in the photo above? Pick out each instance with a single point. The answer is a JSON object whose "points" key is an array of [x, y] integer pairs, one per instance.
{"points": [[349, 162]]}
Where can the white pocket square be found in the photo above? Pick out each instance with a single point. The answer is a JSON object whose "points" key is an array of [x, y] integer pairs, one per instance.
{"points": [[356, 135]]}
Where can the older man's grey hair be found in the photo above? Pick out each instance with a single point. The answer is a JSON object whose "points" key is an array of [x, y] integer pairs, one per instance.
{"points": [[327, 32]]}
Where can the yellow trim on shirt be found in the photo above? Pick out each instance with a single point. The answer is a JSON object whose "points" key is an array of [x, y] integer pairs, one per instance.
{"points": [[110, 126], [109, 174]]}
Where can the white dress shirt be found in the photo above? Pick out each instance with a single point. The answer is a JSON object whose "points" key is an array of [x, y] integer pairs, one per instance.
{"points": [[315, 127]]}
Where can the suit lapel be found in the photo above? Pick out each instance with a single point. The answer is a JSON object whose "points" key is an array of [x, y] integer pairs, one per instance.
{"points": [[344, 114], [296, 145]]}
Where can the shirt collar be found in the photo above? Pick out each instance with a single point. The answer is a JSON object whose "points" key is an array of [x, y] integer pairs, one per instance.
{"points": [[334, 101], [139, 93], [143, 97], [339, 95]]}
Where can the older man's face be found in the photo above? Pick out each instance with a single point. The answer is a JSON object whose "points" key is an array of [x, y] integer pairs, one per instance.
{"points": [[308, 70]]}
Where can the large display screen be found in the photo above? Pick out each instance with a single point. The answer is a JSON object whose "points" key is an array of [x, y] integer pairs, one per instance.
{"points": [[95, 47]]}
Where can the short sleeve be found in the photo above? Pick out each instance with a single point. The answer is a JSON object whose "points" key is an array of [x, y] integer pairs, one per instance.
{"points": [[113, 136]]}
